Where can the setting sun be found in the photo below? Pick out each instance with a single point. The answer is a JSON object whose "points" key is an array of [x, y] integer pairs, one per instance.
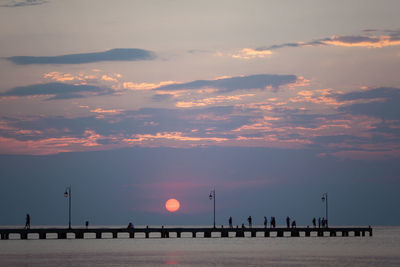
{"points": [[172, 205]]}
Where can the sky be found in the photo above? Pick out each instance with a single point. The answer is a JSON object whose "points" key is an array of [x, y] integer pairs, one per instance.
{"points": [[270, 103]]}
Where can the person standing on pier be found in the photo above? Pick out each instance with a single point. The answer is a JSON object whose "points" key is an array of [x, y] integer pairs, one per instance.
{"points": [[230, 222], [314, 222], [265, 222], [28, 221], [273, 222], [288, 222], [319, 222], [250, 221]]}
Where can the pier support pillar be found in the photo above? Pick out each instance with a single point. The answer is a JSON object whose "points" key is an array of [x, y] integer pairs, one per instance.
{"points": [[79, 235], [4, 236], [253, 233], [207, 234], [42, 235], [356, 233], [98, 235], [178, 234], [345, 233], [24, 236], [62, 235], [115, 234], [320, 233], [332, 233], [363, 233], [239, 233], [308, 233], [279, 234], [294, 233], [266, 234], [370, 232], [194, 234], [224, 234], [131, 234], [147, 234]]}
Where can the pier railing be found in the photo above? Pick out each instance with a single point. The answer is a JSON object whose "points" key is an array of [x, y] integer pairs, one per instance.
{"points": [[164, 232]]}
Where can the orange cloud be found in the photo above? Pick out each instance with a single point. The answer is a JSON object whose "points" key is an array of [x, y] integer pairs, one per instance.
{"points": [[82, 78], [249, 53], [178, 136], [211, 101], [369, 42], [145, 86], [106, 111], [49, 145]]}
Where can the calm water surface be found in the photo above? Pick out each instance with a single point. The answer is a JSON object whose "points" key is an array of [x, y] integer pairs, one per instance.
{"points": [[383, 249]]}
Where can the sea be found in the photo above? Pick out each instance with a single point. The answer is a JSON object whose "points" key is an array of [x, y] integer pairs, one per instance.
{"points": [[382, 249]]}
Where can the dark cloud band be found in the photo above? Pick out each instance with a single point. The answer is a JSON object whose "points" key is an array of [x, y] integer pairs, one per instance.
{"points": [[56, 91], [119, 54], [20, 3], [259, 81]]}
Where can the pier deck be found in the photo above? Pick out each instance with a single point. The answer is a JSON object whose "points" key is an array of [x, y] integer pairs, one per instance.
{"points": [[164, 232]]}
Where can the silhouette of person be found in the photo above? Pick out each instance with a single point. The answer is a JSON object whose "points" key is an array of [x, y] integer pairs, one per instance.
{"points": [[230, 222], [28, 221], [273, 222], [243, 226], [319, 222], [250, 221], [288, 222], [323, 222], [265, 222], [294, 224], [87, 224], [130, 226], [314, 222]]}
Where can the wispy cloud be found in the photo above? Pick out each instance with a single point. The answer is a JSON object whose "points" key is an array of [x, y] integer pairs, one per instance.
{"points": [[20, 3], [118, 54], [211, 101], [387, 38], [248, 53], [56, 91]]}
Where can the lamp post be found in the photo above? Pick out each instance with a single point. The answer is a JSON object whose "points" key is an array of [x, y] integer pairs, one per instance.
{"points": [[325, 199], [67, 193], [212, 196]]}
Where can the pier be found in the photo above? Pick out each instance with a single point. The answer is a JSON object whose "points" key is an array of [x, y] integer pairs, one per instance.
{"points": [[164, 232]]}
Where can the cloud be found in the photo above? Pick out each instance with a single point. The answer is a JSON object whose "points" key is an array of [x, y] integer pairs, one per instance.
{"points": [[249, 53], [211, 101], [56, 91], [387, 38], [20, 3], [380, 102], [259, 81], [118, 54]]}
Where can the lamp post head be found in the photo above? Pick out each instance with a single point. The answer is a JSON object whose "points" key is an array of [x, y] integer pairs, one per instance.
{"points": [[66, 193], [323, 198], [210, 196]]}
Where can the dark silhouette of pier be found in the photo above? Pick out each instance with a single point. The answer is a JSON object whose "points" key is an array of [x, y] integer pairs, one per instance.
{"points": [[164, 232]]}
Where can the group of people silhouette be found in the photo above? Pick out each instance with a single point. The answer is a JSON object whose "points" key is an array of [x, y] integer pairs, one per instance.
{"points": [[322, 222]]}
